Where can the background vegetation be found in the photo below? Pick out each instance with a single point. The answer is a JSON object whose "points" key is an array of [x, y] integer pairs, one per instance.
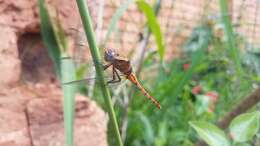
{"points": [[215, 73]]}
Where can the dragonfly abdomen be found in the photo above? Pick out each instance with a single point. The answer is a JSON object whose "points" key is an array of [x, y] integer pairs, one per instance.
{"points": [[134, 80]]}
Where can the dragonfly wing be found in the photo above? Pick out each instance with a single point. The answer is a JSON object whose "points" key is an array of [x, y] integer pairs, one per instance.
{"points": [[87, 80]]}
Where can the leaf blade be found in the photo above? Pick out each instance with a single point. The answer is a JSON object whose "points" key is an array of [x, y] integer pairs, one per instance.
{"points": [[69, 90], [48, 36], [115, 18], [153, 25], [244, 126], [211, 134]]}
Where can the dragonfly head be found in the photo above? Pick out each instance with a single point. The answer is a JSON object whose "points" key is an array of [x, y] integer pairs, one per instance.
{"points": [[110, 55]]}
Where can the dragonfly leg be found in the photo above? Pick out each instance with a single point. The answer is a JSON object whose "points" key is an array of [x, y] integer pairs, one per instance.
{"points": [[106, 66], [115, 74], [118, 77], [114, 77]]}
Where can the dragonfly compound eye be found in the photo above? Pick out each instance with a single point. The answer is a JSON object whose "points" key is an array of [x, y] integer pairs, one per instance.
{"points": [[109, 55]]}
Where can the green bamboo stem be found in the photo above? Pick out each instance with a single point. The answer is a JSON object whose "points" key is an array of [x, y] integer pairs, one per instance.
{"points": [[234, 52], [87, 24]]}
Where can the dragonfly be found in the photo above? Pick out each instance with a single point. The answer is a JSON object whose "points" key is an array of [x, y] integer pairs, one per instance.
{"points": [[123, 65]]}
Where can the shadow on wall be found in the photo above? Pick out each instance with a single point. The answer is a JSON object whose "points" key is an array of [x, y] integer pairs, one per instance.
{"points": [[35, 63]]}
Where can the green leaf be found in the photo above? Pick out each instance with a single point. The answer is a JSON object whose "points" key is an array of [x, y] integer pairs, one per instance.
{"points": [[54, 39], [244, 126], [179, 79], [243, 144], [153, 25], [211, 134], [231, 42], [48, 36], [161, 138], [69, 90], [58, 30], [87, 25], [148, 130], [118, 14]]}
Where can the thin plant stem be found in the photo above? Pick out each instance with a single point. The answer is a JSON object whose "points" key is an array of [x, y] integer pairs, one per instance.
{"points": [[255, 22], [139, 62], [87, 24], [232, 46], [144, 42], [98, 36]]}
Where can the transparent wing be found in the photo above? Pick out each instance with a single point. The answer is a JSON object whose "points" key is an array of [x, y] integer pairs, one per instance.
{"points": [[79, 48], [81, 58], [86, 80]]}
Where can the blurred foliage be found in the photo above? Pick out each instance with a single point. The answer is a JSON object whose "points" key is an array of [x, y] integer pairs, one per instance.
{"points": [[242, 130], [153, 25], [48, 36], [200, 85], [116, 17], [55, 40]]}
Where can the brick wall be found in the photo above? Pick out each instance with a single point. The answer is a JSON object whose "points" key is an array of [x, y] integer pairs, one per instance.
{"points": [[177, 18]]}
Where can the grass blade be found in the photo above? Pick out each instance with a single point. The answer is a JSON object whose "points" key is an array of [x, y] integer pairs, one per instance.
{"points": [[234, 52], [182, 78], [48, 36], [118, 14], [87, 24], [148, 129], [69, 91], [59, 32], [54, 39], [153, 25]]}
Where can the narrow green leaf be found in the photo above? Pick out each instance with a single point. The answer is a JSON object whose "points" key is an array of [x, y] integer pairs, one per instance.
{"points": [[69, 90], [54, 39], [59, 33], [87, 24], [244, 126], [232, 46], [153, 25], [48, 36], [161, 138], [179, 79], [116, 17], [211, 134], [148, 130], [243, 144]]}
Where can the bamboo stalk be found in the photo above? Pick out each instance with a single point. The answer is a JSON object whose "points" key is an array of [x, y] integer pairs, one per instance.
{"points": [[87, 24]]}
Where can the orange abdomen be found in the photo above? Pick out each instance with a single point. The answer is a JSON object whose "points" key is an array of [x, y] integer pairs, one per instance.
{"points": [[134, 80]]}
